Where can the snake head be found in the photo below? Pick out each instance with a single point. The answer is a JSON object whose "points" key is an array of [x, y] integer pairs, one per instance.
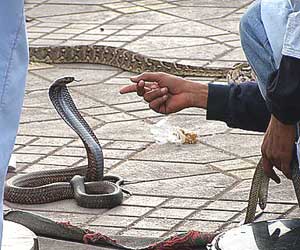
{"points": [[63, 81]]}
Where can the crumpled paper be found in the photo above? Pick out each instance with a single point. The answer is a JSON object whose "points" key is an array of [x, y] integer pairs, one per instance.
{"points": [[163, 132]]}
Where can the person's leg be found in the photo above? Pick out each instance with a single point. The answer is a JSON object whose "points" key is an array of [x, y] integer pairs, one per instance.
{"points": [[256, 45], [13, 70], [259, 54]]}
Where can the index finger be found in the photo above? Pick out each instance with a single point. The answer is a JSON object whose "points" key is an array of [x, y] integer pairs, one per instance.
{"points": [[147, 77], [128, 89], [136, 87]]}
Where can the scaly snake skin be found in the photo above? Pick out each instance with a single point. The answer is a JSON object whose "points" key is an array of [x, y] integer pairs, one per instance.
{"points": [[260, 185], [86, 184], [133, 62]]}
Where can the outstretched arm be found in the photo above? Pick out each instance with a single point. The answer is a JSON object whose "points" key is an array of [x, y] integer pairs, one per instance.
{"points": [[167, 93], [240, 106]]}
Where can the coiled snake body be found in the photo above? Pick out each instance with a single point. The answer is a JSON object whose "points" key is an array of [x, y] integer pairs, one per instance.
{"points": [[98, 191]]}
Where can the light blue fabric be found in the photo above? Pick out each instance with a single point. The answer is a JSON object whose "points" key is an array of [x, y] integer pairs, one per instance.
{"points": [[264, 41], [281, 19], [256, 45], [13, 70]]}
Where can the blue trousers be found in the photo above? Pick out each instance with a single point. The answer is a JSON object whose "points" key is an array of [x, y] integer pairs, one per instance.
{"points": [[13, 70], [256, 45]]}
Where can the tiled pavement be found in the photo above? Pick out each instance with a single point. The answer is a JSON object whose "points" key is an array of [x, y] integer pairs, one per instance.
{"points": [[175, 188]]}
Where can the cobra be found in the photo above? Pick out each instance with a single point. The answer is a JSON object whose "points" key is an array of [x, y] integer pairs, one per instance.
{"points": [[86, 184]]}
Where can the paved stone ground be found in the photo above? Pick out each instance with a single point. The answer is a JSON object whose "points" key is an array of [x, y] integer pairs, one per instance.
{"points": [[175, 188]]}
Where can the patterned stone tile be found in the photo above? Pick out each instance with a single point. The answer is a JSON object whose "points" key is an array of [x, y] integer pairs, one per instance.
{"points": [[134, 9], [159, 43], [43, 167], [117, 153], [23, 139], [295, 213], [199, 13], [58, 36], [67, 31], [92, 2], [49, 25], [28, 158], [130, 145], [129, 211], [127, 130], [243, 174], [173, 213], [213, 215], [145, 18], [108, 94], [38, 129], [35, 35], [202, 226], [227, 205], [144, 114], [184, 203], [161, 6], [277, 193], [148, 170], [46, 10], [116, 117], [88, 76], [156, 223], [216, 3], [206, 52], [233, 165], [196, 153], [36, 150], [89, 37], [61, 161], [115, 221], [71, 151], [148, 201], [227, 24], [84, 18], [47, 42], [185, 186], [42, 29], [234, 55], [51, 141], [118, 5], [236, 143], [37, 114]]}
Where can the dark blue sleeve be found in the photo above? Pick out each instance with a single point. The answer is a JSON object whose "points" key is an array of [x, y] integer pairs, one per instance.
{"points": [[239, 106], [283, 91]]}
